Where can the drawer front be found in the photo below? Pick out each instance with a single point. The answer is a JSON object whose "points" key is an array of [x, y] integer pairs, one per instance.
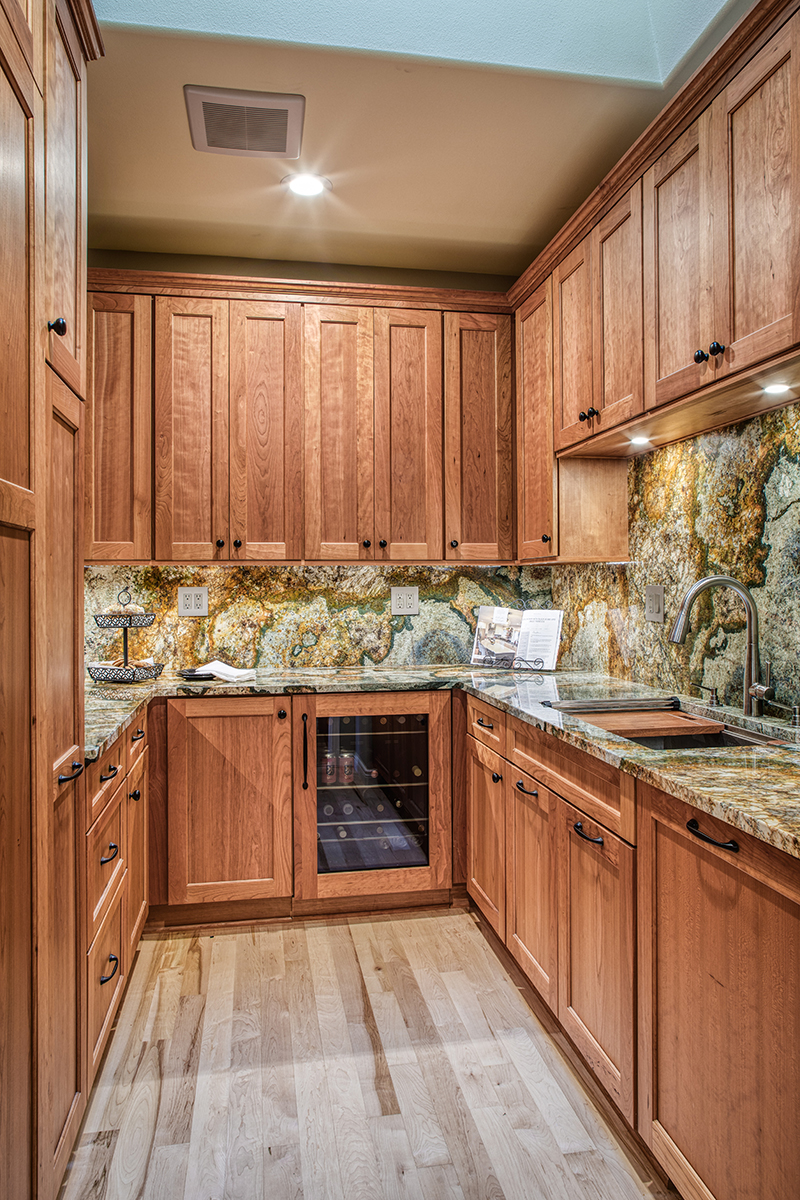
{"points": [[136, 738], [106, 966], [595, 787], [103, 777], [105, 860], [486, 724]]}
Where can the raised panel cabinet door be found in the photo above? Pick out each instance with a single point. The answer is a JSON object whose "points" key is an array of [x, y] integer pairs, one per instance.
{"points": [[756, 167], [338, 432], [266, 463], [486, 833], [618, 371], [573, 388], [531, 880], [537, 471], [191, 430], [137, 803], [719, 1005], [678, 256], [119, 432], [478, 437], [409, 484], [596, 950], [23, 22], [229, 799]]}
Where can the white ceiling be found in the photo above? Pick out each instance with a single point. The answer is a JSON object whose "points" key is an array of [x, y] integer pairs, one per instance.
{"points": [[436, 164]]}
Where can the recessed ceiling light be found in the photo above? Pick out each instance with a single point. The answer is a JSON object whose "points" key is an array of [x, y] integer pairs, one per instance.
{"points": [[306, 185], [777, 389], [640, 441]]}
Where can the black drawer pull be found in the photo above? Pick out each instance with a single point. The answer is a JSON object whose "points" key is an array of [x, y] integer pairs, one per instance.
{"points": [[305, 752], [137, 737], [137, 795], [578, 827], [105, 778], [77, 767], [112, 958], [484, 724], [521, 788], [694, 828], [496, 777], [112, 846]]}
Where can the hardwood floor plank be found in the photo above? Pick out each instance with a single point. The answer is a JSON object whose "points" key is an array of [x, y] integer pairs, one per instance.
{"points": [[283, 1176], [87, 1173], [425, 1137], [244, 1174], [439, 1183], [278, 1085], [467, 1004], [399, 1178], [570, 1135], [134, 1146], [247, 1001], [166, 1174], [520, 1174], [182, 1057], [198, 951]]}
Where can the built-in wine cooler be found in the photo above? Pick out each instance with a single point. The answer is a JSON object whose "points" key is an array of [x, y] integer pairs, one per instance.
{"points": [[375, 791]]}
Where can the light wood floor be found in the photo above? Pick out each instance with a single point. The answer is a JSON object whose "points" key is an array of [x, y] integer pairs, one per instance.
{"points": [[349, 1060]]}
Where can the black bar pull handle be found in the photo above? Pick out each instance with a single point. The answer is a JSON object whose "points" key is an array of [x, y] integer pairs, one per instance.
{"points": [[578, 827], [695, 829], [137, 737], [484, 724], [115, 848], [112, 958], [521, 788], [305, 752], [77, 768], [105, 778]]}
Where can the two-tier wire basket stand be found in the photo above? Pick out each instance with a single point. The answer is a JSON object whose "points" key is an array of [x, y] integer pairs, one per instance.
{"points": [[105, 673]]}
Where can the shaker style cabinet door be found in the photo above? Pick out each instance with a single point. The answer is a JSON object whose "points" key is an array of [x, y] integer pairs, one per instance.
{"points": [[486, 833], [531, 878], [408, 435], [338, 352], [537, 470], [478, 437]]}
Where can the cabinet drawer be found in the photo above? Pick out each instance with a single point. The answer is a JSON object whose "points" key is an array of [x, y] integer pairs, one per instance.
{"points": [[103, 777], [105, 967], [486, 724], [136, 738], [595, 787], [105, 860]]}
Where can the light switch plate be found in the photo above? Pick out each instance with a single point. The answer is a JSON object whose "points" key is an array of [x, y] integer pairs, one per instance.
{"points": [[192, 602], [405, 601], [654, 602]]}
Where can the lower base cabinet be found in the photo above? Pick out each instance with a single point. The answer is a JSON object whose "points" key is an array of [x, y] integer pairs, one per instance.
{"points": [[137, 804]]}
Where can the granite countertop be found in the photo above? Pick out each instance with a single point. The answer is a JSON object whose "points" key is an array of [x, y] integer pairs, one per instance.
{"points": [[756, 789]]}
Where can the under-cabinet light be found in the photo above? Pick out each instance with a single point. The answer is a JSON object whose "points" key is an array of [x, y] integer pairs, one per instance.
{"points": [[640, 441], [777, 389]]}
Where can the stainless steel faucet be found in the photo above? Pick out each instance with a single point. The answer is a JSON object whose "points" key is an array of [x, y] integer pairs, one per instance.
{"points": [[754, 691]]}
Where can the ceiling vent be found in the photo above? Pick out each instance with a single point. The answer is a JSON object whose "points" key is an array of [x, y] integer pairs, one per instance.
{"points": [[256, 124]]}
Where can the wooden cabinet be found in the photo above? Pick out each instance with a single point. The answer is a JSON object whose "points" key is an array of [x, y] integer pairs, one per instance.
{"points": [[137, 806], [532, 812], [118, 522], [486, 834], [719, 1005], [230, 799], [572, 346], [478, 437]]}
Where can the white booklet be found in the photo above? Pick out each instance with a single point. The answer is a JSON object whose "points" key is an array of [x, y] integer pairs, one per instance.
{"points": [[522, 638]]}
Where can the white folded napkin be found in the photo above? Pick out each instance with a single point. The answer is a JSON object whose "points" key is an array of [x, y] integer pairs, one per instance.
{"points": [[229, 674]]}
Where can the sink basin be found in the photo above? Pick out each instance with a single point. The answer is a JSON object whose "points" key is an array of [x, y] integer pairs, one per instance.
{"points": [[660, 724], [729, 737]]}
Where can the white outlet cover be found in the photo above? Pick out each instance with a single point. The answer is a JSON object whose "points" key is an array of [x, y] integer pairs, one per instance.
{"points": [[654, 602], [405, 601], [192, 602]]}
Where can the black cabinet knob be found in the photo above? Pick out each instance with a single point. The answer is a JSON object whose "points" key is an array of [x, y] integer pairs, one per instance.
{"points": [[366, 543], [220, 542], [383, 543], [546, 537], [281, 713], [582, 416], [700, 356], [716, 348], [58, 326], [454, 543], [496, 777], [135, 795], [237, 543], [593, 412]]}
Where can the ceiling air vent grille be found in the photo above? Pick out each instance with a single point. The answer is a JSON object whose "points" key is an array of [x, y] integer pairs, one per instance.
{"points": [[256, 124]]}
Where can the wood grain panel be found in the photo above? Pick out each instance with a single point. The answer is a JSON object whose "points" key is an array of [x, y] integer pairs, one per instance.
{"points": [[103, 998], [486, 724], [137, 802], [478, 437], [266, 431], [107, 841], [158, 869], [532, 881], [191, 429], [537, 474], [486, 834], [593, 510], [572, 346], [617, 331], [339, 449], [408, 435], [103, 777], [119, 422]]}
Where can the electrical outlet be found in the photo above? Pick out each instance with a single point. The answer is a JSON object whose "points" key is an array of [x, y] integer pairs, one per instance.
{"points": [[405, 601], [193, 602], [654, 602]]}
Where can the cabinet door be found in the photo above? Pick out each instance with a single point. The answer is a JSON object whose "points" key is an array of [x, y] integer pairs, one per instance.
{"points": [[65, 197], [339, 518], [678, 267], [596, 949], [478, 437], [23, 21], [119, 428], [537, 472], [408, 435], [572, 346], [618, 373], [719, 995], [137, 803], [486, 833], [756, 166], [531, 896], [191, 429], [230, 799], [266, 431]]}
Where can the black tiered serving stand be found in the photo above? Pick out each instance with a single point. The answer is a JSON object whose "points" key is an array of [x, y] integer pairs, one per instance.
{"points": [[124, 621]]}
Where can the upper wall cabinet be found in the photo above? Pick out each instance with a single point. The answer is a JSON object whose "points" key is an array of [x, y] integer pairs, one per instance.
{"points": [[537, 472], [478, 437]]}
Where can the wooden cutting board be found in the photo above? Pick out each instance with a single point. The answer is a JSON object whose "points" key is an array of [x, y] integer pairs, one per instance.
{"points": [[650, 724]]}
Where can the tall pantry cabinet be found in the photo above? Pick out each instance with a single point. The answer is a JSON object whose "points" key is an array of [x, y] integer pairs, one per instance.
{"points": [[44, 48]]}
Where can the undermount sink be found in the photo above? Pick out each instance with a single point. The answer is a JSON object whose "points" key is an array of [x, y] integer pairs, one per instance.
{"points": [[661, 724], [729, 737]]}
